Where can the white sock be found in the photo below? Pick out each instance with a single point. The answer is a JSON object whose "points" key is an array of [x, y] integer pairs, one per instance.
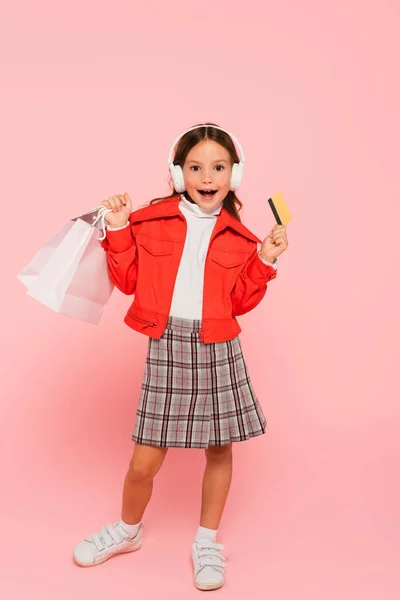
{"points": [[203, 533], [131, 530]]}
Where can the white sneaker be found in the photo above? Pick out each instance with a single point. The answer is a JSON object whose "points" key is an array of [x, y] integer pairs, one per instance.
{"points": [[101, 546], [208, 565]]}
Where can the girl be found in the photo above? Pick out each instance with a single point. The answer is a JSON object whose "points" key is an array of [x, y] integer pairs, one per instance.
{"points": [[192, 267]]}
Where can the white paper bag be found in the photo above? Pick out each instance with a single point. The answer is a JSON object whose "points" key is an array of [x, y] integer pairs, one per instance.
{"points": [[29, 274], [69, 274]]}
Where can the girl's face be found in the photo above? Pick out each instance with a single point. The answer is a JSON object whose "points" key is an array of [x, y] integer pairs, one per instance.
{"points": [[207, 167]]}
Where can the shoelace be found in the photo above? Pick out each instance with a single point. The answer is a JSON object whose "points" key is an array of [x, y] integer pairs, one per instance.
{"points": [[107, 536], [209, 554]]}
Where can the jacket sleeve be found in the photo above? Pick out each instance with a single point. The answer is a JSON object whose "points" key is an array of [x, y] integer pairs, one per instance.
{"points": [[120, 246], [251, 284]]}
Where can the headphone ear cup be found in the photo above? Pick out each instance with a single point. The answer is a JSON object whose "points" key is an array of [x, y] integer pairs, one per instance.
{"points": [[237, 174], [177, 177]]}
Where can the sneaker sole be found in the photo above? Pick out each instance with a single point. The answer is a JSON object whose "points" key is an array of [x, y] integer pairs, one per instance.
{"points": [[102, 560], [208, 586]]}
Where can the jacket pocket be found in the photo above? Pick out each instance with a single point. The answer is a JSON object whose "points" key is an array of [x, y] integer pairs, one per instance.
{"points": [[144, 321], [227, 258], [156, 246]]}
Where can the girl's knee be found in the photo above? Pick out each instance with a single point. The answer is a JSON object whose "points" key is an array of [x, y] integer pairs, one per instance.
{"points": [[145, 462], [219, 452], [141, 472]]}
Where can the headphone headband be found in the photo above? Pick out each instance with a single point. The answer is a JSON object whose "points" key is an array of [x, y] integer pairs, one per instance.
{"points": [[199, 127]]}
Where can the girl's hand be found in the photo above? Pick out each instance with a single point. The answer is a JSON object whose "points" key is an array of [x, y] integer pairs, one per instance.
{"points": [[275, 243], [121, 206]]}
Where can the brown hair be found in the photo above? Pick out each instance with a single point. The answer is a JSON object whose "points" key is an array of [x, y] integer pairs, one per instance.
{"points": [[187, 142]]}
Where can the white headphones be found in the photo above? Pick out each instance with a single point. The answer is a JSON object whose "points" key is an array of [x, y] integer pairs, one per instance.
{"points": [[176, 170]]}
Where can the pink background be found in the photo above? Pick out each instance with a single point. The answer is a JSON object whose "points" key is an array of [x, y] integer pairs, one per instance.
{"points": [[93, 95]]}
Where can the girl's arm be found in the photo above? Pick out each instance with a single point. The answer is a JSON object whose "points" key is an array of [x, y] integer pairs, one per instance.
{"points": [[251, 284], [120, 246]]}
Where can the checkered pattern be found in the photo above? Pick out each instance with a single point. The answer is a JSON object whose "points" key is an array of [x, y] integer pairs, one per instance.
{"points": [[195, 395]]}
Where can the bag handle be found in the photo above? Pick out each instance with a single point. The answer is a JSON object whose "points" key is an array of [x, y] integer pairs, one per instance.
{"points": [[102, 211]]}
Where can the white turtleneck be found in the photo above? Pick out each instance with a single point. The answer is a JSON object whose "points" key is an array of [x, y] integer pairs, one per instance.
{"points": [[187, 299]]}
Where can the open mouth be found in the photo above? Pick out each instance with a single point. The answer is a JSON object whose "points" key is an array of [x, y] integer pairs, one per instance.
{"points": [[207, 192]]}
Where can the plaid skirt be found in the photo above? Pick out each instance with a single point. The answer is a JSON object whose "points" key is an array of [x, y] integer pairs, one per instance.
{"points": [[195, 395]]}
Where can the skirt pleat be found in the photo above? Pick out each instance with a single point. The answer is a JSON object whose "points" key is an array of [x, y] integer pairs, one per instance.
{"points": [[195, 395]]}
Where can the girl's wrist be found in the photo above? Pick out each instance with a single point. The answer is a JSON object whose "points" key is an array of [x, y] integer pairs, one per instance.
{"points": [[266, 258], [118, 226]]}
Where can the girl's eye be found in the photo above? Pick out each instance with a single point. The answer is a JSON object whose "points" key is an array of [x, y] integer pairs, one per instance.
{"points": [[196, 167]]}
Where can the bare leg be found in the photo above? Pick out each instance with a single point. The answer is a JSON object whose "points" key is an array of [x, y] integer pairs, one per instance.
{"points": [[145, 463], [216, 483]]}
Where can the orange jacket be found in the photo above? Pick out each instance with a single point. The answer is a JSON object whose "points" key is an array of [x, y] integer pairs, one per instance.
{"points": [[143, 259]]}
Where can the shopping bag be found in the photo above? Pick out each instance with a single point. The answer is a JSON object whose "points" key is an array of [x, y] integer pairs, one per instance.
{"points": [[69, 274], [29, 274]]}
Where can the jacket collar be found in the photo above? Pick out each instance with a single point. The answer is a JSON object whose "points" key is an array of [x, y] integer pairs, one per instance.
{"points": [[170, 208]]}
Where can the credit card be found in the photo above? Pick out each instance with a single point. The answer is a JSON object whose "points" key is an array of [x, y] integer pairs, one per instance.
{"points": [[279, 209]]}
